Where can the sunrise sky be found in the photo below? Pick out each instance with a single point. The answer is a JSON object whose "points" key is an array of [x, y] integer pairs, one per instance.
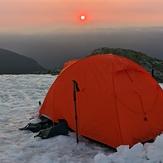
{"points": [[51, 31], [44, 15]]}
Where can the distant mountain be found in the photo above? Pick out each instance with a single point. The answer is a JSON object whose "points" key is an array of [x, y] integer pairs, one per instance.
{"points": [[13, 63], [142, 59]]}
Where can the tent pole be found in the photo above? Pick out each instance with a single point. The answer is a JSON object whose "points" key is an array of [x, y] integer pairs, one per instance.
{"points": [[75, 89]]}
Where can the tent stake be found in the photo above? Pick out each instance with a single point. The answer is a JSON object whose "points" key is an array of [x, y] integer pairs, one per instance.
{"points": [[75, 89]]}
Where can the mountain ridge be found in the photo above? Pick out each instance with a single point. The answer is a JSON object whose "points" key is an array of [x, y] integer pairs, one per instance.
{"points": [[25, 65], [14, 63]]}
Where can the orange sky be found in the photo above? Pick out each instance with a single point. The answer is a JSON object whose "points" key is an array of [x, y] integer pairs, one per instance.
{"points": [[42, 15]]}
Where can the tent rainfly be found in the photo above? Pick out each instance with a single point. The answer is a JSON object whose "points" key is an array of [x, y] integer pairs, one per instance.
{"points": [[119, 102]]}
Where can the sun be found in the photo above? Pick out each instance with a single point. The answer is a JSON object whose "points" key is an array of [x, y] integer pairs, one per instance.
{"points": [[82, 17]]}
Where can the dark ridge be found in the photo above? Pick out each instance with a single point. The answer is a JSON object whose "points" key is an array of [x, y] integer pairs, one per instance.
{"points": [[13, 63]]}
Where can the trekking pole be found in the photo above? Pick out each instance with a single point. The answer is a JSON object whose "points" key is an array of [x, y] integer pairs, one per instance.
{"points": [[75, 89]]}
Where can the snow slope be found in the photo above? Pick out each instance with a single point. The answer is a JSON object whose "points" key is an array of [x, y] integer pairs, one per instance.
{"points": [[19, 97]]}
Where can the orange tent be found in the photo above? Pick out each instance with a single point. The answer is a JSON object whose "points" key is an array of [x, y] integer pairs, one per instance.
{"points": [[118, 102]]}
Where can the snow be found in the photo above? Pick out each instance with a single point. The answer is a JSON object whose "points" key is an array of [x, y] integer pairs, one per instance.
{"points": [[19, 97]]}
